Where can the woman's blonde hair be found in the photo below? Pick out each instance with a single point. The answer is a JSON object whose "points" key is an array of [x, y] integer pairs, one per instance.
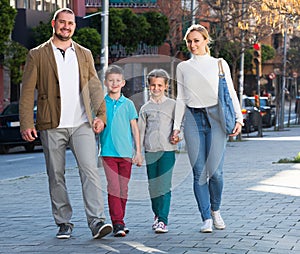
{"points": [[201, 29]]}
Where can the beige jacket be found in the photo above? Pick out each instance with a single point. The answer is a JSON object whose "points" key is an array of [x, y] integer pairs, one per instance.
{"points": [[41, 74]]}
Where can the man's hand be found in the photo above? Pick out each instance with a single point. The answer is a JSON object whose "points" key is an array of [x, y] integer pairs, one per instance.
{"points": [[98, 125], [29, 134]]}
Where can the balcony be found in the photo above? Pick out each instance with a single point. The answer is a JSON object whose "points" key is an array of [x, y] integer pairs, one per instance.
{"points": [[123, 4]]}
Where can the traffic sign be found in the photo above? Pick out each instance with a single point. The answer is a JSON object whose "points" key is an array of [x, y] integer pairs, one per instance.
{"points": [[272, 75]]}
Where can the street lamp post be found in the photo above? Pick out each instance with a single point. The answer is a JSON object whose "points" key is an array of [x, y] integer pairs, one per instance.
{"points": [[242, 59], [104, 38], [193, 3], [281, 118]]}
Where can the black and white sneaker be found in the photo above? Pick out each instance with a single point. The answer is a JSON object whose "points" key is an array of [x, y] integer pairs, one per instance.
{"points": [[119, 230], [126, 230], [65, 231], [100, 229]]}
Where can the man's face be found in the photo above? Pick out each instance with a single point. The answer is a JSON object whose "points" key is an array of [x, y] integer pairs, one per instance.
{"points": [[64, 26]]}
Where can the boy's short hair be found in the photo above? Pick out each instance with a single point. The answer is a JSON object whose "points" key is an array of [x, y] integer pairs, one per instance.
{"points": [[114, 69], [158, 73]]}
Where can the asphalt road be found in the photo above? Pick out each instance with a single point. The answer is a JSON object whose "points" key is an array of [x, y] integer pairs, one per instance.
{"points": [[18, 163]]}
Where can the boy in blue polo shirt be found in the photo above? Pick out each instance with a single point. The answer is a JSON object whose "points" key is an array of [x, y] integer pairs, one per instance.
{"points": [[120, 146]]}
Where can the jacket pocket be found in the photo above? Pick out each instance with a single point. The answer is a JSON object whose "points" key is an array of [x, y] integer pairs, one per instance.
{"points": [[43, 110]]}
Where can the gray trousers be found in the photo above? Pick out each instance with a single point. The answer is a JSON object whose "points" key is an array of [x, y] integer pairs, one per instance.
{"points": [[81, 141]]}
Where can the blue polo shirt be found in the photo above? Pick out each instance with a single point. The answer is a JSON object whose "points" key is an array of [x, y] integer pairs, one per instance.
{"points": [[116, 139]]}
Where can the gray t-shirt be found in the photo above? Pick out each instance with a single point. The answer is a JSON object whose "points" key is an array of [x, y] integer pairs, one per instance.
{"points": [[156, 125]]}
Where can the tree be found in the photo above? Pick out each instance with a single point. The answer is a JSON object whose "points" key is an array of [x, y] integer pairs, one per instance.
{"points": [[136, 26], [179, 19], [159, 29], [89, 38], [41, 33], [116, 26], [294, 54], [267, 53], [7, 20], [128, 29], [15, 56]]}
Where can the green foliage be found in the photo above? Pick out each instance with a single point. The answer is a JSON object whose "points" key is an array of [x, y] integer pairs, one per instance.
{"points": [[296, 159], [89, 38], [15, 57], [294, 54], [41, 33], [229, 51], [136, 26], [267, 53], [159, 28], [116, 26], [129, 29], [7, 20]]}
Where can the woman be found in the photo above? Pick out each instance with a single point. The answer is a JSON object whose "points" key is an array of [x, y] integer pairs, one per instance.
{"points": [[197, 104]]}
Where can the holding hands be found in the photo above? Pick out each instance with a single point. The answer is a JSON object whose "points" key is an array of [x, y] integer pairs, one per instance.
{"points": [[174, 139], [138, 159], [98, 125]]}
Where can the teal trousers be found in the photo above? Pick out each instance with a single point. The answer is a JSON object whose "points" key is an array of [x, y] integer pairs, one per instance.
{"points": [[159, 171]]}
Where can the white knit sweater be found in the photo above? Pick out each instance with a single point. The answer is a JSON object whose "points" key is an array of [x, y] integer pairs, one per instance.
{"points": [[197, 86]]}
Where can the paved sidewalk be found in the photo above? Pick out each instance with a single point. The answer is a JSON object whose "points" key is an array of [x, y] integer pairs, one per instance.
{"points": [[261, 207]]}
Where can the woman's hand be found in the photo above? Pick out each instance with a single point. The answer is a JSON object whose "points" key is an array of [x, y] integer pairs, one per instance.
{"points": [[174, 139], [237, 129]]}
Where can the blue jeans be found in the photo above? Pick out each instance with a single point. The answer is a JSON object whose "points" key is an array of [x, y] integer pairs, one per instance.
{"points": [[208, 193]]}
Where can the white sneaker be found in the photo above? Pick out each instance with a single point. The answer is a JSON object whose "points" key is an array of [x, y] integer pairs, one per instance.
{"points": [[217, 220], [206, 226], [155, 223], [161, 228]]}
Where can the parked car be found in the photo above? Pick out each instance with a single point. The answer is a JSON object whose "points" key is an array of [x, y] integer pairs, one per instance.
{"points": [[267, 111], [10, 129], [297, 103], [250, 115]]}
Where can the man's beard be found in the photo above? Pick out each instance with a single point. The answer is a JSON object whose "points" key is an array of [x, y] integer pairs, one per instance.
{"points": [[62, 38]]}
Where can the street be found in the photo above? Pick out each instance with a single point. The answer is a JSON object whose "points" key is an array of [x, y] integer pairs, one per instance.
{"points": [[260, 206], [18, 163]]}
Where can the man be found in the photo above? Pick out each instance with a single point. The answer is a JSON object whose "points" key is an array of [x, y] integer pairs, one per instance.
{"points": [[67, 85]]}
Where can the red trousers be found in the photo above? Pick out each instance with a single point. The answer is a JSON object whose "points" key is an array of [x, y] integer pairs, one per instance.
{"points": [[118, 172]]}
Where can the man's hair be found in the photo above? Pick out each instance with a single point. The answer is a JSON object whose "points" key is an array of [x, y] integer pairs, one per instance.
{"points": [[114, 69], [158, 73], [67, 10]]}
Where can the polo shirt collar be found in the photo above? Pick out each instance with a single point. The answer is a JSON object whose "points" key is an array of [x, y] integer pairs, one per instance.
{"points": [[56, 48], [121, 99]]}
